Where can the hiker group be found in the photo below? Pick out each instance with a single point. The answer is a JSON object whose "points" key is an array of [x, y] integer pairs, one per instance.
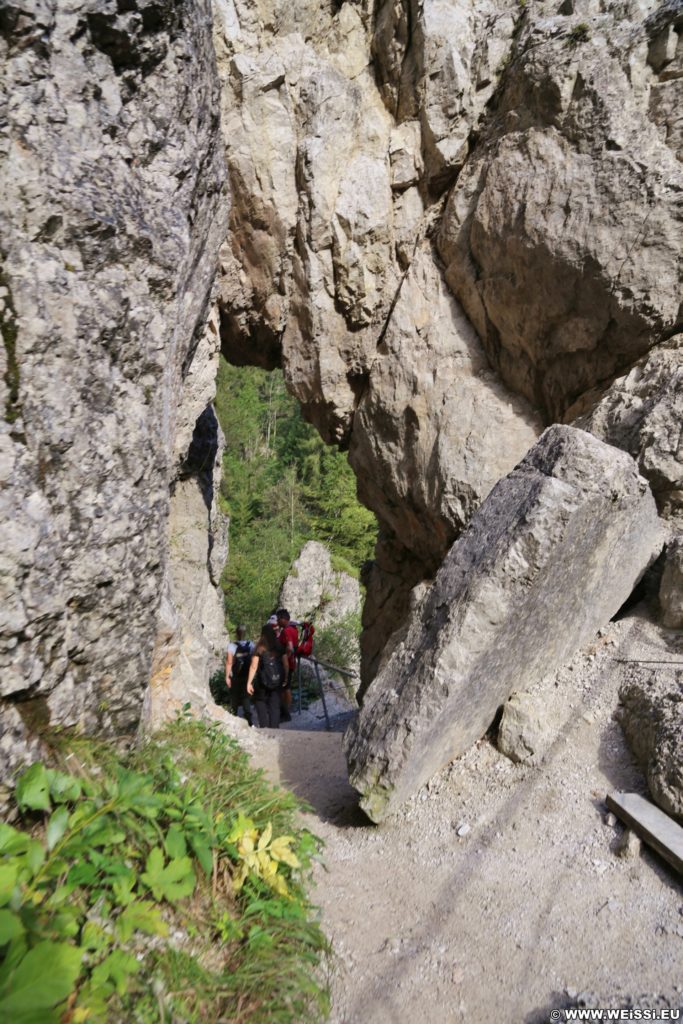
{"points": [[259, 675]]}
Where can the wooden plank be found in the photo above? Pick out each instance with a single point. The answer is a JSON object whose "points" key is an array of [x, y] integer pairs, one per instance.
{"points": [[654, 826]]}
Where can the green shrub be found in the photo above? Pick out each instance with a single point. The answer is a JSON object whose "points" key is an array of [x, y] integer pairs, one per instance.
{"points": [[165, 884], [219, 689], [339, 642]]}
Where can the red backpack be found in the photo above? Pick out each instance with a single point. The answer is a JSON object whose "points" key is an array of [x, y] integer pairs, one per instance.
{"points": [[305, 648]]}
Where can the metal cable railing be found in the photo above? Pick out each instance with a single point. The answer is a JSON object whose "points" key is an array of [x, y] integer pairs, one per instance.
{"points": [[317, 665]]}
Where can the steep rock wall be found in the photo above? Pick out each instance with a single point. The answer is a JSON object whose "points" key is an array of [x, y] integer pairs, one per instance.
{"points": [[562, 235], [330, 270], [191, 638], [453, 224], [450, 222], [112, 213]]}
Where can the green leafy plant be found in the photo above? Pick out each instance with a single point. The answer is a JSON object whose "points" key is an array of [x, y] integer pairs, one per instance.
{"points": [[218, 687], [113, 856]]}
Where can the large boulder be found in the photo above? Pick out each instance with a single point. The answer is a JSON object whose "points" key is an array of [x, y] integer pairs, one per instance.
{"points": [[642, 412], [550, 556], [315, 589], [651, 715], [561, 237]]}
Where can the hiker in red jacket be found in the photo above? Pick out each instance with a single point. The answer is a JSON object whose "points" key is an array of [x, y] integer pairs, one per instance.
{"points": [[289, 638]]}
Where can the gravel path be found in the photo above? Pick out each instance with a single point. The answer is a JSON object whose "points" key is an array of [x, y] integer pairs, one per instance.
{"points": [[496, 894]]}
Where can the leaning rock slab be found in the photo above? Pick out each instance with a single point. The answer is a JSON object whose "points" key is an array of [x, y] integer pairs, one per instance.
{"points": [[550, 556]]}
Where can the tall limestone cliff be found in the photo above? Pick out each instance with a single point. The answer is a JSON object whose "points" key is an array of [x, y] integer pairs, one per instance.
{"points": [[453, 224], [112, 213]]}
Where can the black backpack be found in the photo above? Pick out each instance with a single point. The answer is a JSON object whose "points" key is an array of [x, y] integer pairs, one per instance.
{"points": [[241, 661], [272, 671]]}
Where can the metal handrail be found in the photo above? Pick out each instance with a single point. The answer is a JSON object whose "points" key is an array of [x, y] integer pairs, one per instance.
{"points": [[334, 668], [331, 668]]}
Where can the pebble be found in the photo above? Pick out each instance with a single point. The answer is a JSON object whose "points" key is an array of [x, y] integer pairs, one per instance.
{"points": [[611, 820], [463, 829], [628, 846]]}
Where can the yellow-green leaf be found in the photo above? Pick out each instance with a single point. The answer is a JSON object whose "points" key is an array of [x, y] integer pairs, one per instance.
{"points": [[266, 837], [280, 850]]}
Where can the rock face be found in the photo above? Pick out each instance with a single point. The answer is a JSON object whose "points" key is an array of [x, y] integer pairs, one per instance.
{"points": [[325, 224], [671, 587], [112, 213], [426, 439], [651, 716], [642, 413], [560, 236], [452, 223], [553, 552], [191, 639], [313, 589]]}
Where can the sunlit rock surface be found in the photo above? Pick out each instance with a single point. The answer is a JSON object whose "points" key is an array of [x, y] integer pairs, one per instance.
{"points": [[112, 212], [550, 556]]}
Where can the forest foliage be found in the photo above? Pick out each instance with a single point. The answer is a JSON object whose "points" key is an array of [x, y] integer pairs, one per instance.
{"points": [[282, 486]]}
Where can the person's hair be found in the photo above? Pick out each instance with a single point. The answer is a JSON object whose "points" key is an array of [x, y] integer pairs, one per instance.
{"points": [[282, 613], [268, 640], [241, 631]]}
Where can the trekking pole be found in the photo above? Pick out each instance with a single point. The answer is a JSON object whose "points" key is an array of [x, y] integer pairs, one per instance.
{"points": [[322, 695]]}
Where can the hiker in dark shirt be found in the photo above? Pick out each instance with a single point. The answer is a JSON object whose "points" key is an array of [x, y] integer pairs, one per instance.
{"points": [[237, 663], [268, 673]]}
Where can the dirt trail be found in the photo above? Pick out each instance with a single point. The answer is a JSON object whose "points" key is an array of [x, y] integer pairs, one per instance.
{"points": [[496, 894]]}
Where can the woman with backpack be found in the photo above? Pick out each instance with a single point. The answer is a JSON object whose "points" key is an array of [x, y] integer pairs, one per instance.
{"points": [[268, 673]]}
